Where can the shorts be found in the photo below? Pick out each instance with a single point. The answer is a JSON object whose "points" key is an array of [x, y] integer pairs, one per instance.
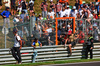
{"points": [[20, 13], [73, 43], [31, 8], [0, 3], [13, 7]]}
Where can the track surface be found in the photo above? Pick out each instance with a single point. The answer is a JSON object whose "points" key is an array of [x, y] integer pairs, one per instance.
{"points": [[77, 64]]}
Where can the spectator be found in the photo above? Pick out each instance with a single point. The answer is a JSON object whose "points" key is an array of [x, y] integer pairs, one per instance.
{"points": [[77, 4], [59, 34], [31, 7], [68, 10], [90, 29], [50, 37], [5, 14], [36, 33], [95, 33], [19, 2], [36, 43], [39, 27], [51, 15], [33, 18], [40, 17], [44, 6], [22, 16], [13, 7], [94, 10], [32, 1], [24, 6], [16, 19], [93, 5], [63, 33], [87, 14], [7, 3], [62, 13], [70, 42], [81, 36], [74, 12], [79, 9], [78, 16], [97, 7], [69, 29], [19, 9], [58, 7], [95, 16], [65, 4], [0, 4], [52, 5]]}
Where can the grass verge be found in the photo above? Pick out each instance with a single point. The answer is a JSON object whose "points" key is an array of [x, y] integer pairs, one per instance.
{"points": [[56, 62]]}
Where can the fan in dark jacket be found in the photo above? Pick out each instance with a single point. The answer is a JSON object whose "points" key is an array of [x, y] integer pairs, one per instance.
{"points": [[89, 47]]}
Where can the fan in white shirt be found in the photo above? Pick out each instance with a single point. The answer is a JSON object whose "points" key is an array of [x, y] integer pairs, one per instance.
{"points": [[51, 14], [19, 9], [74, 12], [62, 13], [68, 10], [7, 3]]}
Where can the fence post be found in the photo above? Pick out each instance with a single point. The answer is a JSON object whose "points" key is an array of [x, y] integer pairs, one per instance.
{"points": [[32, 24], [30, 30], [34, 56], [5, 36]]}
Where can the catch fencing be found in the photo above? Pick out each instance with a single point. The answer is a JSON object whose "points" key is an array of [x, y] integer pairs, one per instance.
{"points": [[45, 30]]}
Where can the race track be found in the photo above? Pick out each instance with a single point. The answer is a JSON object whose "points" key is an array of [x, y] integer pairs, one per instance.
{"points": [[77, 64]]}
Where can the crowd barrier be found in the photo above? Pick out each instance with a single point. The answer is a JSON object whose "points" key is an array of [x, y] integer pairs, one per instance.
{"points": [[47, 53]]}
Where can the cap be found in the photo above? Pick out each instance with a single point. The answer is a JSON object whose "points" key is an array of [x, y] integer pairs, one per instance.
{"points": [[68, 25], [67, 5], [7, 7], [96, 3], [31, 2], [39, 14], [83, 2], [95, 25], [14, 31], [51, 0], [74, 7]]}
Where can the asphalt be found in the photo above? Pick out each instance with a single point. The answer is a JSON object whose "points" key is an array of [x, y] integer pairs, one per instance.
{"points": [[77, 64]]}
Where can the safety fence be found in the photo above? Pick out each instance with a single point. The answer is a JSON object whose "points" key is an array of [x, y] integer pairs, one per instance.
{"points": [[47, 31], [48, 53]]}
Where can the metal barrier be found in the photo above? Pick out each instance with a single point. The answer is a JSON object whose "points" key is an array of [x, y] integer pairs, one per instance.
{"points": [[47, 53]]}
